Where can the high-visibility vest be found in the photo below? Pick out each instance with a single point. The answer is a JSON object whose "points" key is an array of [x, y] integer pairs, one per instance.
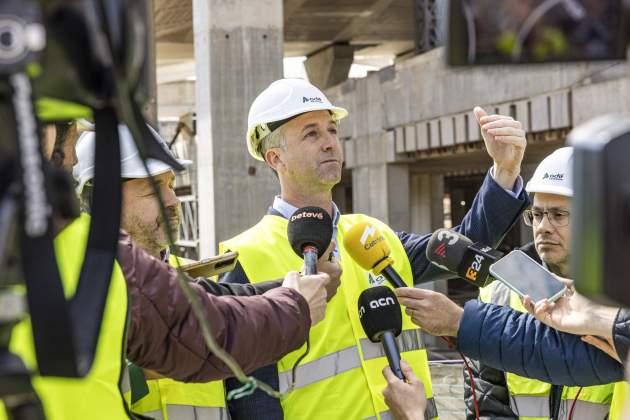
{"points": [[98, 395], [341, 377], [620, 395], [170, 399], [529, 398]]}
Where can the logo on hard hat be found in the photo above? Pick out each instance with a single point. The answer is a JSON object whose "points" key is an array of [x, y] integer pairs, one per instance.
{"points": [[553, 177], [314, 99]]}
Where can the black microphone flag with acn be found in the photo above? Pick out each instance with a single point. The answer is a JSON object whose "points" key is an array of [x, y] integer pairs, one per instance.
{"points": [[379, 311]]}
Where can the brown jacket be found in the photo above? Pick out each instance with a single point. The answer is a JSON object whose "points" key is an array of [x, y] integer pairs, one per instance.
{"points": [[165, 336]]}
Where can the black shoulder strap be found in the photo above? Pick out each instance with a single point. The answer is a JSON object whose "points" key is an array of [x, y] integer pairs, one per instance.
{"points": [[66, 334]]}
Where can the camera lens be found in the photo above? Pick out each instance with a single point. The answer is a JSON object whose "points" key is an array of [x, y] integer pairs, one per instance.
{"points": [[12, 42]]}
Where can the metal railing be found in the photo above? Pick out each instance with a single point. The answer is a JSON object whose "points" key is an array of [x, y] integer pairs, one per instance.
{"points": [[189, 227]]}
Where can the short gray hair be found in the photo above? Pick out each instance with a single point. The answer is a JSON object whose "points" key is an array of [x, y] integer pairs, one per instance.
{"points": [[275, 139], [85, 198]]}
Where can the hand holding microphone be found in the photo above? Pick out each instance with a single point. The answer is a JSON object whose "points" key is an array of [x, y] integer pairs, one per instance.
{"points": [[406, 399], [431, 311], [329, 265], [368, 247], [313, 289], [309, 232]]}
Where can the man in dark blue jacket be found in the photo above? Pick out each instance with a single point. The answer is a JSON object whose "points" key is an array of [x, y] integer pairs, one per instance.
{"points": [[516, 342]]}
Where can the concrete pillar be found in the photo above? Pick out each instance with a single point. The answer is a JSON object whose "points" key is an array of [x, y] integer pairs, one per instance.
{"points": [[427, 211], [398, 200], [330, 66], [150, 109], [238, 52]]}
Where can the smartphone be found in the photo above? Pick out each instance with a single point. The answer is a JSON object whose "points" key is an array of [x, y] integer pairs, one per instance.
{"points": [[212, 266], [525, 276]]}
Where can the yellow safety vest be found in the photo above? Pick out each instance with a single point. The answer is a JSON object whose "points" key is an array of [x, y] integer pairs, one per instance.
{"points": [[170, 399], [620, 395], [529, 398], [98, 395], [341, 377]]}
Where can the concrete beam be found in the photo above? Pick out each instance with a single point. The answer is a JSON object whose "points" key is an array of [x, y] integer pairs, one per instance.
{"points": [[330, 66], [238, 53]]}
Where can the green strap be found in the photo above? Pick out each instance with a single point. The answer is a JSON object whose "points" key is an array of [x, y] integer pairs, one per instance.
{"points": [[138, 383]]}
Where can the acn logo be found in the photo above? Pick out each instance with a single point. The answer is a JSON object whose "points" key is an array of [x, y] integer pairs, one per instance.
{"points": [[377, 303]]}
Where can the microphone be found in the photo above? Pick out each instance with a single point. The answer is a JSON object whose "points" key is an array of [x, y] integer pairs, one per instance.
{"points": [[309, 232], [456, 253], [368, 247], [381, 319]]}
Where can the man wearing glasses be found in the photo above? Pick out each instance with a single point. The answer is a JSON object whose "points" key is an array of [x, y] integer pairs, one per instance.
{"points": [[503, 395]]}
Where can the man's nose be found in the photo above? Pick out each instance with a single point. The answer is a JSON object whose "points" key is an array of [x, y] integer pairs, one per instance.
{"points": [[545, 225]]}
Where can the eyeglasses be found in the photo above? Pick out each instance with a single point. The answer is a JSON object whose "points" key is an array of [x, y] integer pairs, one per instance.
{"points": [[558, 218]]}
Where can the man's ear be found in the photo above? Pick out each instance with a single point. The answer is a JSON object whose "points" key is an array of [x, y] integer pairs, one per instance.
{"points": [[273, 159]]}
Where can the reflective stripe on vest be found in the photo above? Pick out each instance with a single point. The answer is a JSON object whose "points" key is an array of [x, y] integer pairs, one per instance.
{"points": [[530, 406], [341, 378], [408, 340], [346, 359], [529, 398], [323, 368], [187, 412], [584, 410], [96, 396], [125, 382]]}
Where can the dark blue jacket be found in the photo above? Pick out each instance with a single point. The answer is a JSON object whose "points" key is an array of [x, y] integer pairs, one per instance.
{"points": [[516, 342], [491, 216]]}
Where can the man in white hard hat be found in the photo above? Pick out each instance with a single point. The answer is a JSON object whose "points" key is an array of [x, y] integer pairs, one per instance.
{"points": [[150, 394], [140, 210], [292, 127], [504, 394]]}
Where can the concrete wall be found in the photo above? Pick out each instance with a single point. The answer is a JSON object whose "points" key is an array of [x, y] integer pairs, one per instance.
{"points": [[421, 106], [448, 389]]}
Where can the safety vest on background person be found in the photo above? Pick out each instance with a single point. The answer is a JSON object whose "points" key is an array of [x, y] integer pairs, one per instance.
{"points": [[98, 395], [163, 399], [341, 377], [530, 398], [620, 395]]}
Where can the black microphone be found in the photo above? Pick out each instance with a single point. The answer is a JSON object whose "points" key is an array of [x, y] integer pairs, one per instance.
{"points": [[309, 232], [454, 252], [381, 318]]}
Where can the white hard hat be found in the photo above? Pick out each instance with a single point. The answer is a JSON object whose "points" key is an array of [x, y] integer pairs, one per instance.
{"points": [[281, 101], [554, 175], [130, 163]]}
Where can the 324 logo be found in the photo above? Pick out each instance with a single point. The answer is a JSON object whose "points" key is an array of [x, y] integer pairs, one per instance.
{"points": [[473, 271]]}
